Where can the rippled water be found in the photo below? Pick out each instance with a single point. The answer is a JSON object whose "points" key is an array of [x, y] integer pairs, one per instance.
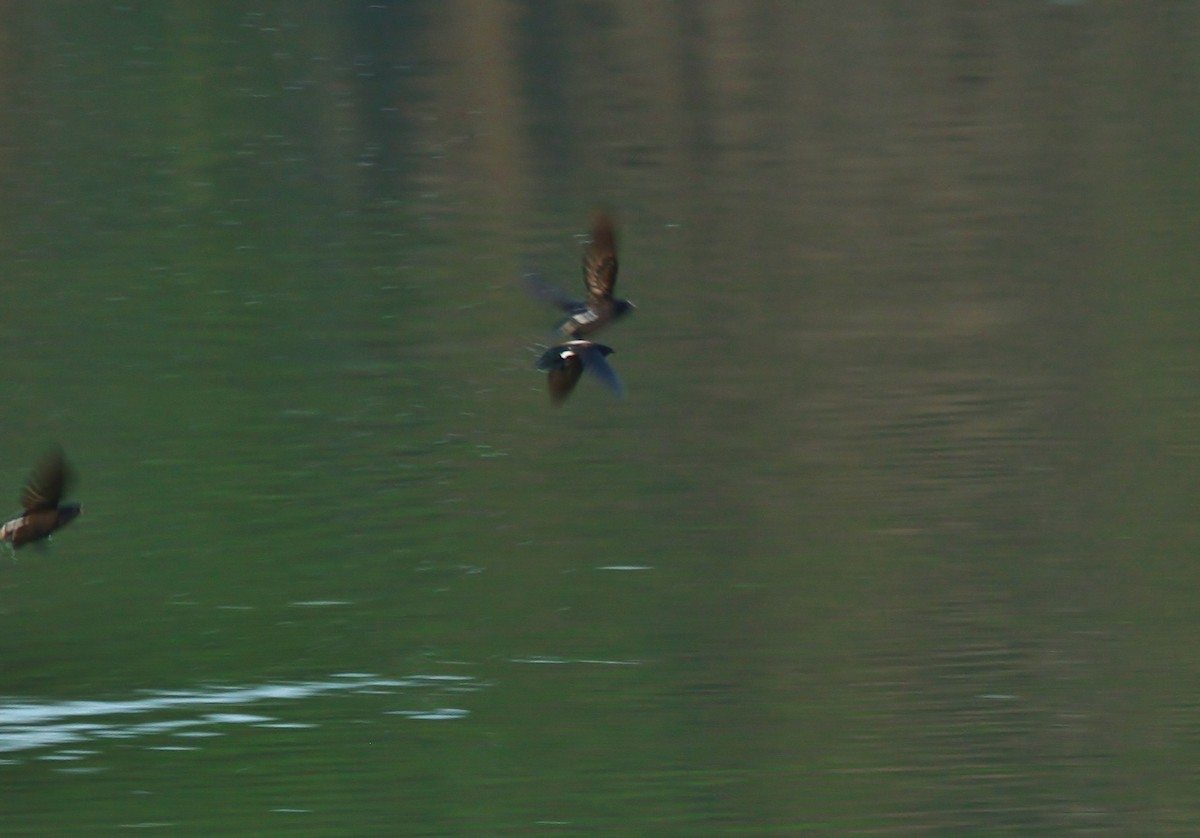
{"points": [[891, 535]]}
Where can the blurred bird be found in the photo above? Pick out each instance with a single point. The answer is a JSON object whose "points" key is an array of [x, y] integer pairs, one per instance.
{"points": [[599, 278], [41, 501], [566, 362]]}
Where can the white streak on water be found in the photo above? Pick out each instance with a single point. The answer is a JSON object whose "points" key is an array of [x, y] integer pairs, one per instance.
{"points": [[543, 659], [28, 724], [438, 714]]}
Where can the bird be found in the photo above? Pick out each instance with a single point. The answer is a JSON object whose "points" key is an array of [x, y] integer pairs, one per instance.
{"points": [[41, 499], [565, 363], [600, 307]]}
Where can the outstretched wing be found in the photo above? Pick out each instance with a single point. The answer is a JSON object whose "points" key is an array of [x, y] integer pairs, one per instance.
{"points": [[47, 484], [596, 364], [547, 293], [600, 259]]}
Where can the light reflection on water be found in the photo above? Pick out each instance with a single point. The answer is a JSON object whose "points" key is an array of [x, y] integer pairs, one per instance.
{"points": [[27, 725]]}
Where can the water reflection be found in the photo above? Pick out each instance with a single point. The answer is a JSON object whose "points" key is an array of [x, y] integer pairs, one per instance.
{"points": [[186, 714]]}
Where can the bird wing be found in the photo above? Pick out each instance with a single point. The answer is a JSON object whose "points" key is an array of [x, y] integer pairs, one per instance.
{"points": [[600, 259], [596, 364], [547, 293], [47, 484]]}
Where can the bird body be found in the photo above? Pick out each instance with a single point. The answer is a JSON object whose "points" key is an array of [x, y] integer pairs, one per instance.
{"points": [[39, 524]]}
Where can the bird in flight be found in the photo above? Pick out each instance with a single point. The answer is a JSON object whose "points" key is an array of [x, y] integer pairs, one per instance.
{"points": [[568, 361], [42, 501], [600, 307]]}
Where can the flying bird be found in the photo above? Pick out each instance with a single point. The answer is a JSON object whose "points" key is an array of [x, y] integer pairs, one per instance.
{"points": [[41, 499], [600, 307], [568, 361]]}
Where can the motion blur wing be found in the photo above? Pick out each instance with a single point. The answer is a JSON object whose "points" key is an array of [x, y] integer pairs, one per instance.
{"points": [[47, 484], [595, 363], [600, 259], [547, 293]]}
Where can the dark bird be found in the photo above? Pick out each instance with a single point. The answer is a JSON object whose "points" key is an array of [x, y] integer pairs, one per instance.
{"points": [[566, 362], [599, 308], [41, 501]]}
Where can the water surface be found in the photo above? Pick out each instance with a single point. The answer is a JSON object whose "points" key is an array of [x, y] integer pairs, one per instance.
{"points": [[892, 535]]}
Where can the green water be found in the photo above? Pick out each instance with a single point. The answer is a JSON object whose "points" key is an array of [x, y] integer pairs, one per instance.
{"points": [[893, 535]]}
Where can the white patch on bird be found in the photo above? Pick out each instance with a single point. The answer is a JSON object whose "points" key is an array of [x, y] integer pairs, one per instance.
{"points": [[11, 527]]}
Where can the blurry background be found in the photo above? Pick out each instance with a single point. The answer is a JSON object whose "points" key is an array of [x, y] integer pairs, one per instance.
{"points": [[895, 533]]}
